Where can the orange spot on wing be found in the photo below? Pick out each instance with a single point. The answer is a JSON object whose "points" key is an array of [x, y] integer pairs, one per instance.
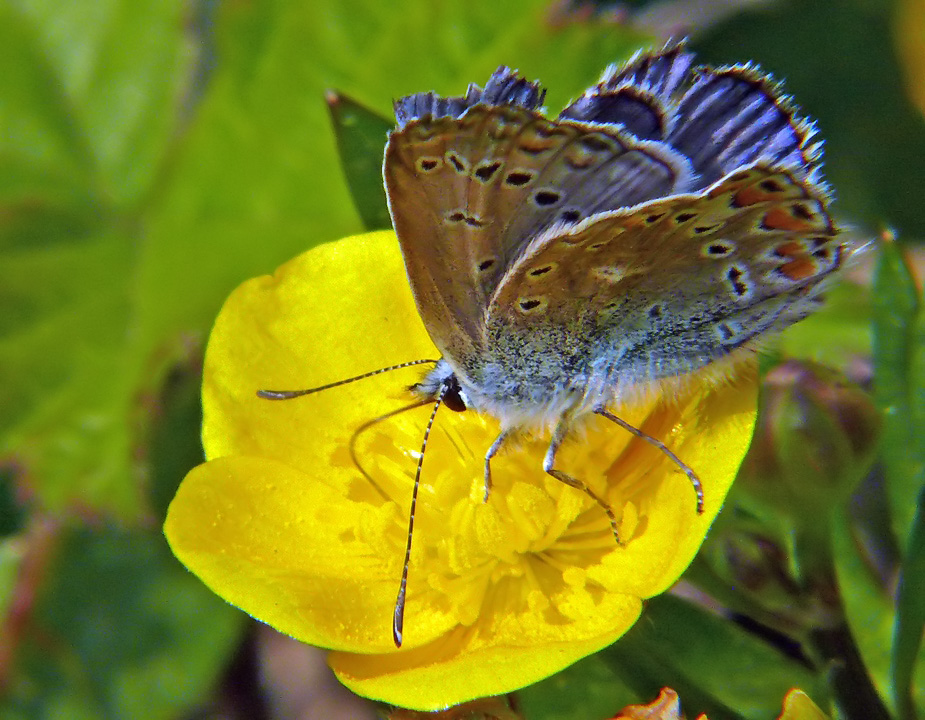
{"points": [[799, 269], [779, 219], [752, 196], [789, 249]]}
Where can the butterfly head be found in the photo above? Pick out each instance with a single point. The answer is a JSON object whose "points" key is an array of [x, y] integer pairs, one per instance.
{"points": [[442, 382]]}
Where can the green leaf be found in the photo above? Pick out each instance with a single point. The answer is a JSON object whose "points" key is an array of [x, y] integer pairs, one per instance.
{"points": [[716, 667], [836, 334], [121, 72], [908, 660], [868, 605], [361, 135], [896, 349], [588, 689], [122, 630], [143, 183]]}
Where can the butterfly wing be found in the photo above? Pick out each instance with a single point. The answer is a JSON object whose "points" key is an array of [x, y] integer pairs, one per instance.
{"points": [[467, 195], [484, 192], [672, 285]]}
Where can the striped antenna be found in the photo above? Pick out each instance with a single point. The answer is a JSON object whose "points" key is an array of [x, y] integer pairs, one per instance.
{"points": [[398, 616], [289, 394]]}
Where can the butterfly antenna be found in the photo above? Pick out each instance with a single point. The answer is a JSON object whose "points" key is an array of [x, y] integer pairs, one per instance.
{"points": [[398, 616], [368, 424], [692, 476], [289, 394]]}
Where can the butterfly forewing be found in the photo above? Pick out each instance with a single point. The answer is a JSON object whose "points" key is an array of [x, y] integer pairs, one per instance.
{"points": [[468, 194]]}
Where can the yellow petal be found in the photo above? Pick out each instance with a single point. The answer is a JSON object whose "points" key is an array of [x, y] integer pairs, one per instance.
{"points": [[289, 549], [799, 706], [468, 663], [300, 516], [337, 311]]}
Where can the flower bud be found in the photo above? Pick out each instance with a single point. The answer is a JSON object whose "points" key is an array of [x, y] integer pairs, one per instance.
{"points": [[816, 437]]}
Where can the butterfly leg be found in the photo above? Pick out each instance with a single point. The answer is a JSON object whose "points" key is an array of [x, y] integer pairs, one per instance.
{"points": [[492, 451], [549, 466], [692, 476]]}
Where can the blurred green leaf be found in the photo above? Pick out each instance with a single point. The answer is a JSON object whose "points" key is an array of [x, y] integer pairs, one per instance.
{"points": [[588, 689], [122, 630], [716, 667], [868, 605], [908, 659], [361, 135], [836, 334], [10, 560], [116, 76], [896, 347], [139, 203], [838, 60]]}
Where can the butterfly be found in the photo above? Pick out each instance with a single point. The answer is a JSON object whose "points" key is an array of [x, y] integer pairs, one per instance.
{"points": [[665, 221]]}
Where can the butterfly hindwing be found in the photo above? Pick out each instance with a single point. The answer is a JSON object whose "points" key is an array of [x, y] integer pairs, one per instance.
{"points": [[673, 284]]}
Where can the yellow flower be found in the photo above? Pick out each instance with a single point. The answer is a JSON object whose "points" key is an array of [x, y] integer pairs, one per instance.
{"points": [[299, 517]]}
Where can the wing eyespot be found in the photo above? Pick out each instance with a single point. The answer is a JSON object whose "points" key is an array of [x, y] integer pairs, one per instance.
{"points": [[610, 273], [457, 161], [771, 185], [484, 172], [738, 281], [428, 164], [800, 211], [717, 249], [542, 270], [546, 197], [532, 305], [518, 178]]}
